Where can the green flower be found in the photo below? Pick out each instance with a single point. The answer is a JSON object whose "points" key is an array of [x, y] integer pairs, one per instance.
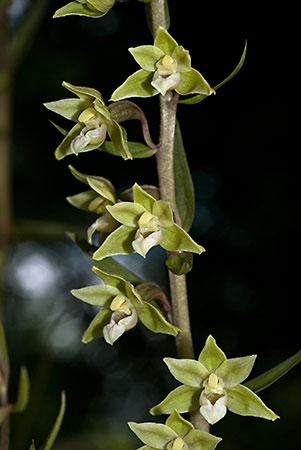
{"points": [[89, 8], [176, 434], [165, 66], [121, 307], [212, 385], [93, 123], [146, 222], [102, 194]]}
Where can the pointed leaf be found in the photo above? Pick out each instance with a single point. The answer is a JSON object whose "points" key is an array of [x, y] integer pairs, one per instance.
{"points": [[97, 295], [175, 239], [178, 424], [127, 213], [211, 356], [23, 391], [136, 85], [183, 399], [267, 378], [57, 425], [95, 329], [244, 402], [187, 371], [154, 321], [70, 108], [183, 182], [155, 434], [147, 56], [235, 370], [119, 242]]}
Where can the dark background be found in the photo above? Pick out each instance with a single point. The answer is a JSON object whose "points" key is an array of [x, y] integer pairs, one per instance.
{"points": [[237, 146]]}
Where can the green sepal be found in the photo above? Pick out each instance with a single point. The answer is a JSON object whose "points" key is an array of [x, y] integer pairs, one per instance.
{"points": [[201, 440], [183, 59], [199, 98], [109, 265], [57, 425], [235, 370], [176, 422], [163, 211], [82, 200], [164, 41], [70, 108], [187, 371], [63, 148], [23, 391], [176, 239], [83, 92], [59, 128], [119, 139], [95, 329], [183, 399], [155, 434], [127, 213], [143, 197], [136, 149], [242, 401], [267, 378], [78, 9], [211, 356], [179, 263], [100, 185], [147, 56], [97, 295], [193, 82], [111, 279], [119, 242], [154, 321], [136, 85], [183, 182]]}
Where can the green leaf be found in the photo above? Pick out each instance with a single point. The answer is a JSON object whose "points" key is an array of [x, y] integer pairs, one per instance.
{"points": [[147, 56], [235, 370], [23, 391], [199, 98], [183, 182], [154, 321], [178, 424], [136, 85], [95, 329], [176, 239], [142, 197], [187, 371], [183, 399], [57, 425], [164, 41], [107, 264], [127, 213], [119, 242], [211, 356], [193, 82], [267, 378], [201, 440], [78, 9], [244, 402], [155, 434], [70, 108], [4, 358], [97, 295]]}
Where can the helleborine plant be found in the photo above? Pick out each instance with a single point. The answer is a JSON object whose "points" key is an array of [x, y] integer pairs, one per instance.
{"points": [[176, 434], [95, 200], [122, 306], [165, 66], [212, 385], [93, 123], [89, 8], [145, 223]]}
